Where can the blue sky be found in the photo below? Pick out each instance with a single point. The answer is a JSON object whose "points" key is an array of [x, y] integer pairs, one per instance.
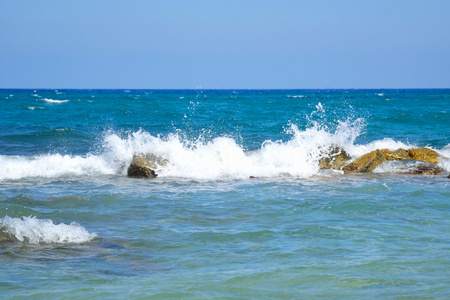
{"points": [[225, 44]]}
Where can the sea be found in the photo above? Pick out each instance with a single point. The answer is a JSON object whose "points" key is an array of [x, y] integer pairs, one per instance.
{"points": [[240, 209]]}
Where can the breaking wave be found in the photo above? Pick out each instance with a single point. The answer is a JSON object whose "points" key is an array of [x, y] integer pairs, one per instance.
{"points": [[219, 158], [222, 157], [44, 231]]}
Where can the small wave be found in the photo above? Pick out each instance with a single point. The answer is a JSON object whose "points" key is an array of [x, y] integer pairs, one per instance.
{"points": [[296, 96], [54, 101], [380, 94], [44, 231]]}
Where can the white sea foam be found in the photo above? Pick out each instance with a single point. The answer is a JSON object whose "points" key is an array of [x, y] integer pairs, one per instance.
{"points": [[55, 101], [386, 143], [296, 96], [39, 231], [52, 166]]}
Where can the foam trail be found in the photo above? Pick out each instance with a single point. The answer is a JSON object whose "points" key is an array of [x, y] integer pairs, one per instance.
{"points": [[39, 231]]}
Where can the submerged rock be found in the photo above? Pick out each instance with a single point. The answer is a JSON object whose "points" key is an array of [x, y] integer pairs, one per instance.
{"points": [[144, 166], [412, 167], [5, 237], [334, 158], [369, 161], [426, 170]]}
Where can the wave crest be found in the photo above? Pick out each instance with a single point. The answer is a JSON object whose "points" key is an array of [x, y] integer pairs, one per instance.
{"points": [[38, 231]]}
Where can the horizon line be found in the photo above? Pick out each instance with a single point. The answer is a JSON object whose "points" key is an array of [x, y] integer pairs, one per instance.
{"points": [[225, 89]]}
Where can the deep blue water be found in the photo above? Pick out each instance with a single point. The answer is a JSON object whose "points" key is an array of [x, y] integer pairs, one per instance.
{"points": [[73, 225]]}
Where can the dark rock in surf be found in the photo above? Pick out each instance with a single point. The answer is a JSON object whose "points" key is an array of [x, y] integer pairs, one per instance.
{"points": [[426, 170], [5, 237], [144, 165]]}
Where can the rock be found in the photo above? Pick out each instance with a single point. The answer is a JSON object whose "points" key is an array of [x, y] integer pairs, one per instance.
{"points": [[423, 154], [399, 154], [426, 170], [143, 166], [5, 237], [334, 158], [368, 162]]}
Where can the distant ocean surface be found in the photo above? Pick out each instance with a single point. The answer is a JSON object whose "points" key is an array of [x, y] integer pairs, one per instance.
{"points": [[74, 226]]}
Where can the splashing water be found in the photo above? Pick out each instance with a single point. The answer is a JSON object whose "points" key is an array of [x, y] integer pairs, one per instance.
{"points": [[37, 231]]}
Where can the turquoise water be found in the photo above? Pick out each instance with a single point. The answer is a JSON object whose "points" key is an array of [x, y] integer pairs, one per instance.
{"points": [[73, 225]]}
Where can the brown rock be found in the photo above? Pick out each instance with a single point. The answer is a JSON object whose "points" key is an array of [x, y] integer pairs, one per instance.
{"points": [[399, 154], [366, 163], [334, 158], [423, 154], [143, 166]]}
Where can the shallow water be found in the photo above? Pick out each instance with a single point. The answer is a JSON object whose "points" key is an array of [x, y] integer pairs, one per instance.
{"points": [[73, 225]]}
